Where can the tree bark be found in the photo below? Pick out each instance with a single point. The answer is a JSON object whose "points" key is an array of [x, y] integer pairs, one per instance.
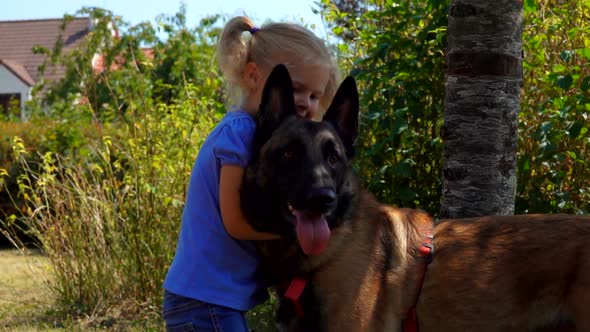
{"points": [[480, 122]]}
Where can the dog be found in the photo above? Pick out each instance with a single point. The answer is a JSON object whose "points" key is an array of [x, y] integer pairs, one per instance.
{"points": [[346, 262]]}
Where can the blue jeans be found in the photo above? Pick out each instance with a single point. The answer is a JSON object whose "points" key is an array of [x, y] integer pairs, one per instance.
{"points": [[183, 314]]}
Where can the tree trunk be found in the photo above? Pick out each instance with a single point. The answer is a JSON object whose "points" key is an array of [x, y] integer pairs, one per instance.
{"points": [[480, 129]]}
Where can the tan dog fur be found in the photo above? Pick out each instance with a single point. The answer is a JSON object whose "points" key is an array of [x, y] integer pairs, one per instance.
{"points": [[515, 273]]}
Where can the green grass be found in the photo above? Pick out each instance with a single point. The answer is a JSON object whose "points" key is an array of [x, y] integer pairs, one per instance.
{"points": [[27, 303]]}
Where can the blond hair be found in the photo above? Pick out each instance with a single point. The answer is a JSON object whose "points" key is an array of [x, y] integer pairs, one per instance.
{"points": [[267, 47]]}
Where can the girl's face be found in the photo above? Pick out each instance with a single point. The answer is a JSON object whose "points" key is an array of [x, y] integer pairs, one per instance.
{"points": [[309, 84]]}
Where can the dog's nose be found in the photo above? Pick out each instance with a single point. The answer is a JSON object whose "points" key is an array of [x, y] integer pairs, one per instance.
{"points": [[321, 199]]}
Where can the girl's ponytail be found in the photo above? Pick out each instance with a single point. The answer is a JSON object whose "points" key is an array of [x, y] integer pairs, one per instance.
{"points": [[232, 52]]}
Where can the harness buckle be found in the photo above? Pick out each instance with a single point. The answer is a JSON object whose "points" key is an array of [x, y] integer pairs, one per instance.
{"points": [[427, 251]]}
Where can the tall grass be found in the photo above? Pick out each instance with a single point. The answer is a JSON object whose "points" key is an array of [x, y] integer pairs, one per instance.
{"points": [[109, 222]]}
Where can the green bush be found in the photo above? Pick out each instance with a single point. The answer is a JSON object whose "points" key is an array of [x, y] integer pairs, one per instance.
{"points": [[554, 148], [395, 50]]}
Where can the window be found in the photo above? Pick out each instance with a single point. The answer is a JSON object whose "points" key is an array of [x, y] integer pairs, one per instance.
{"points": [[10, 105]]}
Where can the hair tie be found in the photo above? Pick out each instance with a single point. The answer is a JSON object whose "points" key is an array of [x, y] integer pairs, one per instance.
{"points": [[253, 30]]}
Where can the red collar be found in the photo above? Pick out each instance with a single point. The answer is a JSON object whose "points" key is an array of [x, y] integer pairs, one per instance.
{"points": [[410, 324], [293, 293]]}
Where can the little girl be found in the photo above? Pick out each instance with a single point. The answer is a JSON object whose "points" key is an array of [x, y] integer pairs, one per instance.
{"points": [[212, 281]]}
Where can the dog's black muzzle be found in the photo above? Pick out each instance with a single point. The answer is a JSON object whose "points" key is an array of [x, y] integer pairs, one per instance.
{"points": [[320, 200]]}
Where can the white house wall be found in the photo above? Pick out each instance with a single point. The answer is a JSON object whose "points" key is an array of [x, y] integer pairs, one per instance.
{"points": [[9, 83]]}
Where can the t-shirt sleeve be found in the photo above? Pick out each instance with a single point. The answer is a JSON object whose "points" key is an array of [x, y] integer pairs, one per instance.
{"points": [[232, 146]]}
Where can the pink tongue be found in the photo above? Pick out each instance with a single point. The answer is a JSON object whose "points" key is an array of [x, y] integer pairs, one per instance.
{"points": [[313, 233]]}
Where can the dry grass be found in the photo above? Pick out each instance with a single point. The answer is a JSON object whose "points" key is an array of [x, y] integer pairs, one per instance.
{"points": [[25, 297]]}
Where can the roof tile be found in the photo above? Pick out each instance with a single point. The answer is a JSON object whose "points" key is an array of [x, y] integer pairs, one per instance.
{"points": [[17, 39]]}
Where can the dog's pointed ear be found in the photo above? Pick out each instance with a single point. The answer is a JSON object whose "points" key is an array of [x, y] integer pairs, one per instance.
{"points": [[277, 101], [343, 113]]}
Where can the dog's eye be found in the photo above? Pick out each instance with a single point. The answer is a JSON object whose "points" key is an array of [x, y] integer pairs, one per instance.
{"points": [[333, 159], [288, 154]]}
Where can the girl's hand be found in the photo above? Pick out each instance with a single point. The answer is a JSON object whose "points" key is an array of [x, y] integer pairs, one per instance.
{"points": [[231, 212]]}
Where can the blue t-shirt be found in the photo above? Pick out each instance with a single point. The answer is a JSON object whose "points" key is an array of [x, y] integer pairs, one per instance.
{"points": [[209, 264]]}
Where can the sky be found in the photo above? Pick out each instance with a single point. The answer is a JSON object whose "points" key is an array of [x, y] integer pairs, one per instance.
{"points": [[135, 11]]}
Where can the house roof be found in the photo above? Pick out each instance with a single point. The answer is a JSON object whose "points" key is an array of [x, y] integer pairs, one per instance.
{"points": [[18, 70], [17, 39]]}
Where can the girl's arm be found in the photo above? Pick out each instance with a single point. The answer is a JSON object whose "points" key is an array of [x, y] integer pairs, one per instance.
{"points": [[231, 212]]}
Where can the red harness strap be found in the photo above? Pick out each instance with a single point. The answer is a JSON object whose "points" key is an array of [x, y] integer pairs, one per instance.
{"points": [[294, 292], [410, 324]]}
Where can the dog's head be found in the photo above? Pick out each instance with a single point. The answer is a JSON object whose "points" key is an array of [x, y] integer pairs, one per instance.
{"points": [[299, 180]]}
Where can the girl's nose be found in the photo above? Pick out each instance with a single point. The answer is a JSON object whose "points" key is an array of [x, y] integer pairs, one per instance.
{"points": [[303, 107]]}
